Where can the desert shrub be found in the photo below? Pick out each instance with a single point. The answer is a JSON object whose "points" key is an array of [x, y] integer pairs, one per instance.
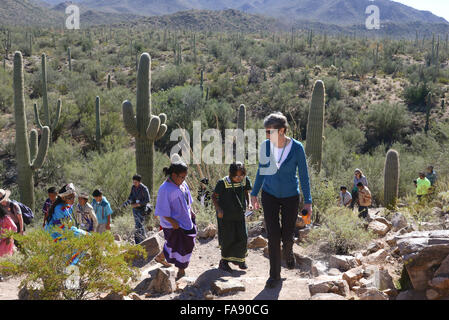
{"points": [[415, 96], [104, 266], [342, 232], [171, 76], [333, 89], [6, 92]]}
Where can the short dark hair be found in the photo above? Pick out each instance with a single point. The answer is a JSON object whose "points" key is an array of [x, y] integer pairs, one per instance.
{"points": [[137, 177], [52, 190], [343, 187], [359, 184], [97, 193], [236, 167], [422, 174], [178, 167]]}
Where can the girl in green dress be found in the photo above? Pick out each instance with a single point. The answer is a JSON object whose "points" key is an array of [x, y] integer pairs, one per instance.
{"points": [[231, 199]]}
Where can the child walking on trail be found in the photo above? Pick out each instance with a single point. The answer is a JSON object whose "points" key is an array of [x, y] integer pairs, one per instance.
{"points": [[230, 198]]}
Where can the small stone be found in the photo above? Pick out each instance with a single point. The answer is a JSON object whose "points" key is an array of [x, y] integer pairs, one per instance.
{"points": [[148, 295], [384, 221], [334, 272], [114, 296], [398, 221], [432, 294], [154, 244], [164, 281], [328, 284], [353, 275], [391, 240], [258, 242], [135, 296], [373, 294], [208, 295], [377, 257], [227, 285], [318, 269], [440, 283]]}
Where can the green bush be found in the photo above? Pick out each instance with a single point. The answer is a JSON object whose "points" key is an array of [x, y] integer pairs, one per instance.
{"points": [[105, 266], [341, 232]]}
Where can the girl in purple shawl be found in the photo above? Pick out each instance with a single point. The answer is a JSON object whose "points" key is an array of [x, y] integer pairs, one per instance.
{"points": [[177, 219]]}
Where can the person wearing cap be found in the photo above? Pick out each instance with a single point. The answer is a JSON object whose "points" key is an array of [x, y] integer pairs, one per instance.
{"points": [[85, 215], [12, 209], [102, 210], [138, 198], [52, 194]]}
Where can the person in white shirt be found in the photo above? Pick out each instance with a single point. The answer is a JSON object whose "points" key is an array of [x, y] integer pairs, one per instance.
{"points": [[345, 197]]}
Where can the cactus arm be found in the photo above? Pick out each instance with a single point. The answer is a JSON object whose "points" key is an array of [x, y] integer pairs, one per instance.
{"points": [[33, 144], [162, 130], [163, 118], [58, 115], [36, 116], [153, 128], [129, 119], [42, 150]]}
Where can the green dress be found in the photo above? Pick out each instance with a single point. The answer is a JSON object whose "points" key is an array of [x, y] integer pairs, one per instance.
{"points": [[232, 233]]}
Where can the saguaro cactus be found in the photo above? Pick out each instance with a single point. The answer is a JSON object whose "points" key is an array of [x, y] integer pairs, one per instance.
{"points": [[144, 127], [241, 121], [315, 125], [48, 123], [428, 108], [109, 82], [97, 123], [391, 178], [69, 58], [29, 154]]}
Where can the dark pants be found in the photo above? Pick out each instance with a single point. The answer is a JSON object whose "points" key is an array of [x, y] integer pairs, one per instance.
{"points": [[288, 208], [233, 240], [363, 212], [139, 232], [355, 197]]}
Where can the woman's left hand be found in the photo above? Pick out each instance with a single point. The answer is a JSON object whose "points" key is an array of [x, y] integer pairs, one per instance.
{"points": [[308, 207]]}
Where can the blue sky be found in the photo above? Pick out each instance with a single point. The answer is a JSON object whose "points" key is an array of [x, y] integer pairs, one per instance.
{"points": [[437, 7]]}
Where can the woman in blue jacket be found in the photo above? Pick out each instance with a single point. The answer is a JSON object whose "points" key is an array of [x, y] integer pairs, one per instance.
{"points": [[281, 157]]}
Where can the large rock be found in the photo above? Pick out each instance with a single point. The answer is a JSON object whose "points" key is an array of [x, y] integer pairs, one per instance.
{"points": [[227, 285], [443, 270], [378, 228], [423, 252], [440, 283], [318, 269], [398, 221], [328, 284], [383, 280], [154, 244], [373, 247], [209, 232], [376, 257], [304, 263], [258, 242], [384, 221], [343, 263], [352, 276], [373, 294], [164, 281], [327, 296]]}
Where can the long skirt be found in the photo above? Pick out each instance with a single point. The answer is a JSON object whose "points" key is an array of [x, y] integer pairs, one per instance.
{"points": [[233, 240], [179, 246]]}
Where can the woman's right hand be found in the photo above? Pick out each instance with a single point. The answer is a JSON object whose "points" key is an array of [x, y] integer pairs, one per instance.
{"points": [[175, 225], [220, 214], [255, 203]]}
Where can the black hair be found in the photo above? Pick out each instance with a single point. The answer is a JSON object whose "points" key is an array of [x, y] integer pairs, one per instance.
{"points": [[137, 177], [359, 184], [422, 174], [3, 212], [52, 190], [58, 201], [236, 167], [179, 167], [415, 181], [97, 193], [343, 187]]}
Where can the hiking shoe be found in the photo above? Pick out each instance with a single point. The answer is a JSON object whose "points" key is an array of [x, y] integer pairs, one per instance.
{"points": [[243, 266], [272, 283], [290, 258], [224, 266]]}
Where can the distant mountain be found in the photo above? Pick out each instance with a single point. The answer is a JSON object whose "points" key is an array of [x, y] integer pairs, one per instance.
{"points": [[37, 13], [339, 12], [207, 20]]}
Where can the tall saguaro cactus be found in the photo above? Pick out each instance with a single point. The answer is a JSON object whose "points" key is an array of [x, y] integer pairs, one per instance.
{"points": [[391, 178], [29, 154], [97, 123], [315, 125], [144, 127], [48, 123], [69, 58]]}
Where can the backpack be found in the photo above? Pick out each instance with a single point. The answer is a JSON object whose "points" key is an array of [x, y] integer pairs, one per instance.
{"points": [[27, 213]]}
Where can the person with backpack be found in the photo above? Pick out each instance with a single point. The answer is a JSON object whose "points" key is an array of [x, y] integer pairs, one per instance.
{"points": [[139, 199], [85, 215], [102, 210], [13, 210], [6, 224], [52, 194], [231, 199]]}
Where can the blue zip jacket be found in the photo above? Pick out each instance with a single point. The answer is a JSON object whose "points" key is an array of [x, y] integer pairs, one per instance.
{"points": [[284, 182]]}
